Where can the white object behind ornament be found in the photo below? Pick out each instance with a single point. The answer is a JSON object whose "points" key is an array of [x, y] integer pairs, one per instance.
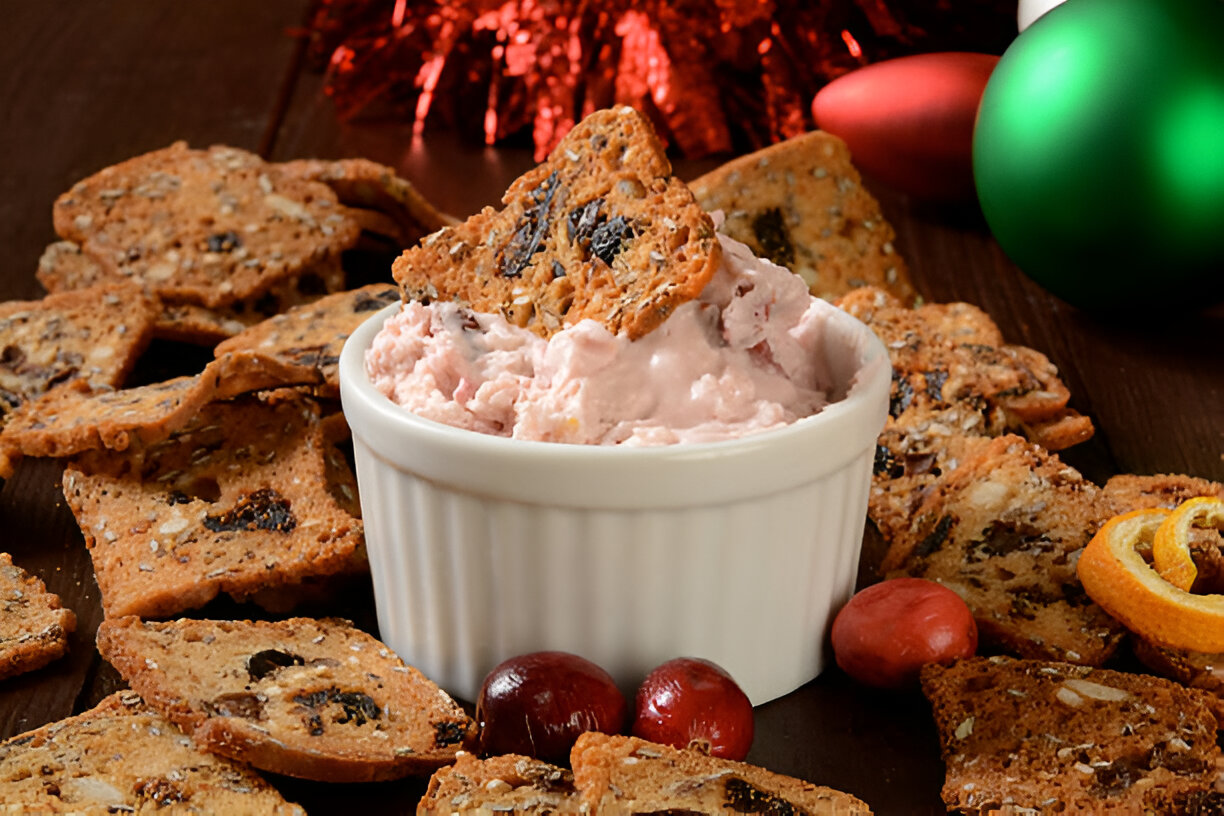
{"points": [[1030, 10]]}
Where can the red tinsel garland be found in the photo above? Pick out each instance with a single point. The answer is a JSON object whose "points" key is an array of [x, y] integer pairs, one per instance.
{"points": [[714, 76]]}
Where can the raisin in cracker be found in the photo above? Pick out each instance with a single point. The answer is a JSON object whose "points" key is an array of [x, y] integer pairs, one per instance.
{"points": [[1004, 530], [123, 757], [317, 699], [34, 626], [801, 204], [602, 230], [235, 502], [312, 335], [1025, 736], [209, 227], [77, 418]]}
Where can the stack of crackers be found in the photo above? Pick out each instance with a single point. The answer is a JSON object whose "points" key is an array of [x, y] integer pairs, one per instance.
{"points": [[229, 481]]}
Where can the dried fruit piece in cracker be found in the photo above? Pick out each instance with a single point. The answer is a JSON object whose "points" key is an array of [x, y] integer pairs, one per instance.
{"points": [[209, 227], [801, 204], [123, 757], [317, 699], [313, 334], [34, 626], [77, 418], [601, 230], [237, 501]]}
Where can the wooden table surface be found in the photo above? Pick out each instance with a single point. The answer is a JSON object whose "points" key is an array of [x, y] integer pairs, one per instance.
{"points": [[85, 85]]}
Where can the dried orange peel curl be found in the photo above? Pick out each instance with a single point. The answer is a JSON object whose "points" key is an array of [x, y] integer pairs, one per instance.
{"points": [[1116, 575], [1171, 546]]}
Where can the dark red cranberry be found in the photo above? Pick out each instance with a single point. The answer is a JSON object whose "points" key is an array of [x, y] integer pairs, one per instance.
{"points": [[689, 700], [537, 704]]}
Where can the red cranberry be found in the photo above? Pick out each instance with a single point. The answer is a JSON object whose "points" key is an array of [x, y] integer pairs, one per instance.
{"points": [[886, 633], [537, 704], [688, 700]]}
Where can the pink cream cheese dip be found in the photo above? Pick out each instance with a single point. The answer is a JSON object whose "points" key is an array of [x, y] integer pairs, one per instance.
{"points": [[741, 358]]}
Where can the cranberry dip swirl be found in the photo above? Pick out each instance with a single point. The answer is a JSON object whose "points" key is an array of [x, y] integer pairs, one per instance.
{"points": [[740, 359]]}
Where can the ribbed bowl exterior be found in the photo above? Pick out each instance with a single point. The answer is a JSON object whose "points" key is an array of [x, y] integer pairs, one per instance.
{"points": [[478, 555], [463, 582]]}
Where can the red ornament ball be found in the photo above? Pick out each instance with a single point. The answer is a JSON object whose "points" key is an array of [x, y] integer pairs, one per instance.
{"points": [[909, 121]]}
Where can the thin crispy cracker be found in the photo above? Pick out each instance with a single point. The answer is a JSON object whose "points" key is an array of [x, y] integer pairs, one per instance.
{"points": [[601, 230], [955, 383], [317, 699], [801, 204], [953, 352], [76, 419], [34, 625], [237, 501], [369, 187], [94, 335], [210, 227], [312, 335], [123, 757], [1004, 529], [64, 267]]}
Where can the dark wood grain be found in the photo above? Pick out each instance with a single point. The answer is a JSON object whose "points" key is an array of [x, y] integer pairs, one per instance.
{"points": [[84, 86]]}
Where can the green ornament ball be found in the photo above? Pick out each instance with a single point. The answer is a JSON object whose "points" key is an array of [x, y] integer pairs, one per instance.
{"points": [[1098, 152]]}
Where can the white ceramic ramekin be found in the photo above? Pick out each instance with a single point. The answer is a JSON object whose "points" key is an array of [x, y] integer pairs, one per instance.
{"points": [[740, 552]]}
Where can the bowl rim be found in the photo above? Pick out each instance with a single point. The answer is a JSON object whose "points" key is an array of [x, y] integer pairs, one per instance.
{"points": [[626, 476]]}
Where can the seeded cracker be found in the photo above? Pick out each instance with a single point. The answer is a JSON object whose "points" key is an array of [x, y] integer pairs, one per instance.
{"points": [[505, 783], [34, 627], [316, 699], [601, 230], [954, 351], [122, 757], [312, 335], [954, 382], [64, 267], [801, 204], [1023, 736], [94, 335], [618, 774], [370, 187], [75, 419], [238, 501], [1004, 530], [208, 227]]}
